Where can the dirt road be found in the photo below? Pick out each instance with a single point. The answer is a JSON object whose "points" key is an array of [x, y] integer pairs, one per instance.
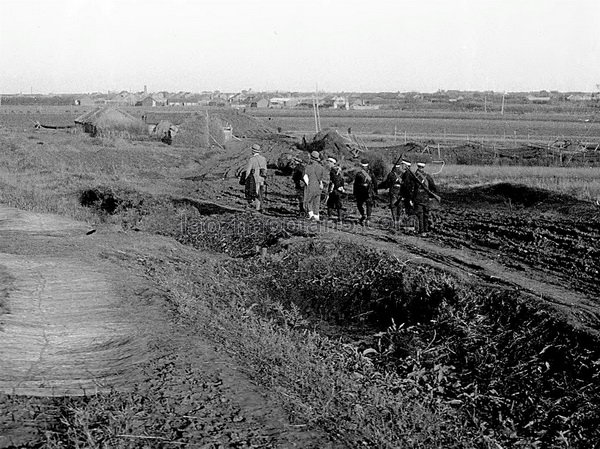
{"points": [[81, 318], [68, 330]]}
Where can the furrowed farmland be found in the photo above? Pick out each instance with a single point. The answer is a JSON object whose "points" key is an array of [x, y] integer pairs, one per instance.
{"points": [[146, 303]]}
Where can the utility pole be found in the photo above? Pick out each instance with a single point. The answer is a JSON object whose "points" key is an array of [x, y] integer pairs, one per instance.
{"points": [[315, 115], [317, 108], [502, 110]]}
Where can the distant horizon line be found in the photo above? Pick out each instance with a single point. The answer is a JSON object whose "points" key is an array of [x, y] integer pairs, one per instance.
{"points": [[297, 92]]}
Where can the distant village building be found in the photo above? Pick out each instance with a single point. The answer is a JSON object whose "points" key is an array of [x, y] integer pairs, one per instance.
{"points": [[580, 97], [283, 102], [257, 103], [361, 105], [538, 100], [183, 100], [338, 102], [123, 98], [147, 102], [438, 98]]}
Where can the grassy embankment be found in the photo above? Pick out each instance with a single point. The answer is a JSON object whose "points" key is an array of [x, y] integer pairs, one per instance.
{"points": [[444, 374]]}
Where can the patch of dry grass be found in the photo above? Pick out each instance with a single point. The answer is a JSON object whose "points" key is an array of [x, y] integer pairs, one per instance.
{"points": [[47, 172]]}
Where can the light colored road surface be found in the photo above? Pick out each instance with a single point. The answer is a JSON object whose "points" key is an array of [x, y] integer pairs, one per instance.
{"points": [[67, 330]]}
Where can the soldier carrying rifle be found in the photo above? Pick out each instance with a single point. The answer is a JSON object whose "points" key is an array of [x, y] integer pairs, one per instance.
{"points": [[399, 183], [423, 189]]}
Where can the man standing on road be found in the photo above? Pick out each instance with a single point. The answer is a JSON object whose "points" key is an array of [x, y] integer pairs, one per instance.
{"points": [[256, 173], [423, 190], [398, 184], [313, 178], [365, 187], [299, 185], [335, 189]]}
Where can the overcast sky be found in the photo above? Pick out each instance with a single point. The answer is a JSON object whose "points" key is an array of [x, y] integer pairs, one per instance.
{"points": [[68, 46]]}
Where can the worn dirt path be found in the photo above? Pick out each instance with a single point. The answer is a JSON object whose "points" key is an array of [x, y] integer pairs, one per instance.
{"points": [[80, 316], [67, 330]]}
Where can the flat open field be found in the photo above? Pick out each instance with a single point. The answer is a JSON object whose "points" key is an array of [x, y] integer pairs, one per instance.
{"points": [[267, 330], [373, 126], [442, 128]]}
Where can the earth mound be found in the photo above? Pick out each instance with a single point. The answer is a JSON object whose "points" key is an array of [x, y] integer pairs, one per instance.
{"points": [[523, 196], [214, 127], [200, 131], [330, 143]]}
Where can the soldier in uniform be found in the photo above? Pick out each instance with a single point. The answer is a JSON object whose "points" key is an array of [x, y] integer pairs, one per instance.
{"points": [[335, 189], [314, 173], [422, 190], [365, 188], [398, 182], [299, 185]]}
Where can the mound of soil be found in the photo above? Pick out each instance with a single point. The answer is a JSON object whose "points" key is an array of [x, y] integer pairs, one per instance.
{"points": [[110, 122], [200, 131], [330, 143], [203, 129], [411, 151], [513, 194], [244, 125]]}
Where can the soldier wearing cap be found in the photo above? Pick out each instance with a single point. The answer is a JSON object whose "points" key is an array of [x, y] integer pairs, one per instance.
{"points": [[314, 173], [365, 188], [256, 173], [398, 183], [299, 185], [335, 189], [421, 197]]}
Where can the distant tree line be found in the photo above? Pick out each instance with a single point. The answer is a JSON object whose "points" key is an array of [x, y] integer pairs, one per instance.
{"points": [[33, 100]]}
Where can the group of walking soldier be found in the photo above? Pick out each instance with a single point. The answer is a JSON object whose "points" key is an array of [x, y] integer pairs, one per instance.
{"points": [[410, 193], [309, 182]]}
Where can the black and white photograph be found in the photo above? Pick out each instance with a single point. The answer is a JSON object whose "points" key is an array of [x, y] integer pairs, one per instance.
{"points": [[315, 224]]}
